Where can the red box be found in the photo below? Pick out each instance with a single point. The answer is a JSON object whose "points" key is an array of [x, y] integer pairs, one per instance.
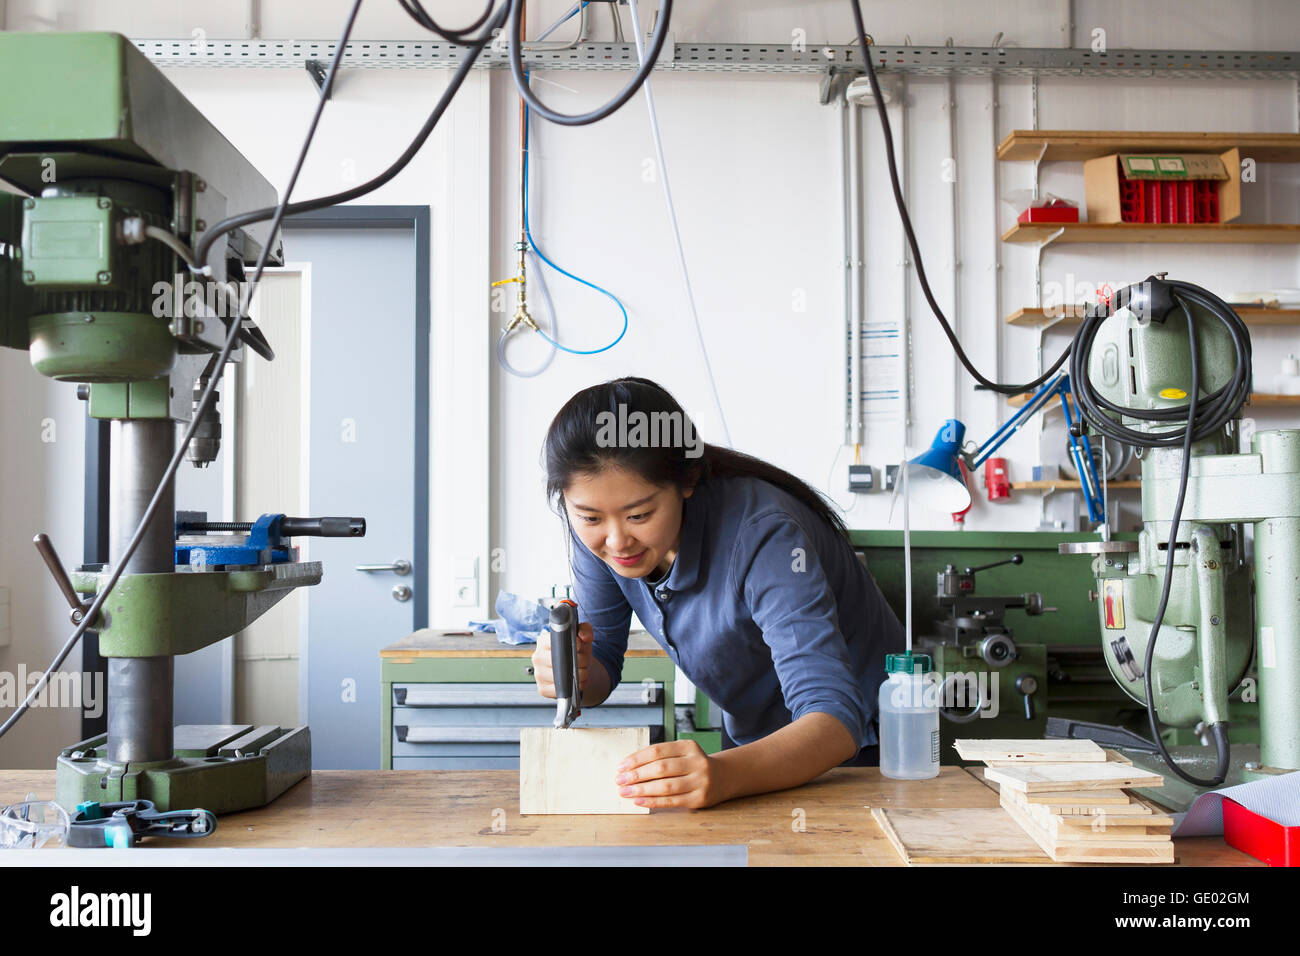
{"points": [[1259, 836], [1052, 212]]}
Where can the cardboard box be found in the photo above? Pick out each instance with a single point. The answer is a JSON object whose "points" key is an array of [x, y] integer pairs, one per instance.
{"points": [[1101, 179]]}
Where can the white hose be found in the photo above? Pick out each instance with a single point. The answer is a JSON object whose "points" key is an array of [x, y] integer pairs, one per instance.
{"points": [[638, 37]]}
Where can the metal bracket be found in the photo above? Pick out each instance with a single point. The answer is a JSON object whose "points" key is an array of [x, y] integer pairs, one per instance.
{"points": [[316, 70], [835, 81]]}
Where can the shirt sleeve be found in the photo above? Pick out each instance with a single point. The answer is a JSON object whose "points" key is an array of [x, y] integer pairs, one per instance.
{"points": [[601, 602], [785, 588]]}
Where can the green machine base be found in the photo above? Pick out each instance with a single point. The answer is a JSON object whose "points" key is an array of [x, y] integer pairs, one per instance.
{"points": [[1177, 793], [221, 768]]}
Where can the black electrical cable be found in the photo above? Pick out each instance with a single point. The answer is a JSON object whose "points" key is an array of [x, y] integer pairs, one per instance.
{"points": [[1222, 751], [459, 37], [231, 223], [1201, 417], [516, 42], [1213, 411], [911, 235]]}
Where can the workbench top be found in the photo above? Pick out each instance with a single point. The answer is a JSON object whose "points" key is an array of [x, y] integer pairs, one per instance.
{"points": [[428, 642], [454, 808]]}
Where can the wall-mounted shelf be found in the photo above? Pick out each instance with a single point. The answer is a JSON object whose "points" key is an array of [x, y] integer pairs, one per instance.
{"points": [[1251, 315], [1047, 232], [1015, 401], [1066, 484], [1276, 401], [1065, 144]]}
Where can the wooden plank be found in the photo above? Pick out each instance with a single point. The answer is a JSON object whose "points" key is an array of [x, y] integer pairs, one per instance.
{"points": [[1067, 144], [956, 837], [1152, 232], [1112, 756], [572, 771], [1086, 803], [1064, 776], [1021, 751]]}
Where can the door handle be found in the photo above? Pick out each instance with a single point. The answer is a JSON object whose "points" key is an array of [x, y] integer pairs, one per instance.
{"points": [[400, 566]]}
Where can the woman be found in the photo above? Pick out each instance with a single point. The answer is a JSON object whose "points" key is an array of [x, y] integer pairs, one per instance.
{"points": [[742, 574]]}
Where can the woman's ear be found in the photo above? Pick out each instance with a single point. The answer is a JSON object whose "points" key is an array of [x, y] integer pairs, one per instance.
{"points": [[694, 480]]}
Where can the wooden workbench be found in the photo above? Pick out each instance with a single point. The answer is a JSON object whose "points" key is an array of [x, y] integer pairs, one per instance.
{"points": [[409, 808]]}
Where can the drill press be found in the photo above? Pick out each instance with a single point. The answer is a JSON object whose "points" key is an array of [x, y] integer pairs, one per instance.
{"points": [[1137, 358], [116, 172]]}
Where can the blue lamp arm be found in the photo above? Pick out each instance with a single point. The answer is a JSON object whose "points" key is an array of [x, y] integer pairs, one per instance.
{"points": [[1080, 448], [1059, 385]]}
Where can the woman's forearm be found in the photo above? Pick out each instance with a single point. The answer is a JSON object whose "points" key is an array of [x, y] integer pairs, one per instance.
{"points": [[789, 757], [597, 687]]}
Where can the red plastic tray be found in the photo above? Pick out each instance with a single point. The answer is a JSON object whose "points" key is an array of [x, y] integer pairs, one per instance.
{"points": [[1259, 836]]}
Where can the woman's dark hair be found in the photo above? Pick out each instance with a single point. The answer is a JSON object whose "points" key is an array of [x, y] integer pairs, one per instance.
{"points": [[585, 438]]}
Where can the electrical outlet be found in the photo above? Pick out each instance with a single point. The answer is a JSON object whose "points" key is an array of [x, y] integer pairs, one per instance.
{"points": [[891, 476], [6, 630], [465, 582]]}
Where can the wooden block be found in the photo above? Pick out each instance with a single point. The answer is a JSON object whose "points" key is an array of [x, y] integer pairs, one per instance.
{"points": [[572, 771], [1031, 751], [1112, 756], [956, 836], [1088, 802], [1099, 828], [1154, 853], [1089, 851], [1072, 776]]}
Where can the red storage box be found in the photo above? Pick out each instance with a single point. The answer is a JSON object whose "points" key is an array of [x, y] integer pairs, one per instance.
{"points": [[1259, 836], [1054, 211]]}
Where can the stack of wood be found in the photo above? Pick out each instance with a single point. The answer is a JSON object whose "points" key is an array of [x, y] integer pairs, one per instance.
{"points": [[1072, 797]]}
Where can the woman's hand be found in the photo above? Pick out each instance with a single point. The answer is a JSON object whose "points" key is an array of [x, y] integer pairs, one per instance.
{"points": [[542, 672], [673, 774]]}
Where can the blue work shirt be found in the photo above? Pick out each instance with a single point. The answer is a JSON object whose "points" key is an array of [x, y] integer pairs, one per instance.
{"points": [[766, 609]]}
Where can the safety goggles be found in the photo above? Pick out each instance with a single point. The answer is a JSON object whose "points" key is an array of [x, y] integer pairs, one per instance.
{"points": [[33, 824]]}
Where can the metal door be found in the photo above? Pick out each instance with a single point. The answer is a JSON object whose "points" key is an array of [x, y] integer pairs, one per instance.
{"points": [[367, 456]]}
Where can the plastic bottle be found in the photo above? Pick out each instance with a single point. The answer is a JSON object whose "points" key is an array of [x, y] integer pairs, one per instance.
{"points": [[909, 718]]}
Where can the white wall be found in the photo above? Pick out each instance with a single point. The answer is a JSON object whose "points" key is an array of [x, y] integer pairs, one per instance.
{"points": [[754, 163]]}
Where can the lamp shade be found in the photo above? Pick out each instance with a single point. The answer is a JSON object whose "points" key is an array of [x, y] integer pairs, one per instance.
{"points": [[934, 479]]}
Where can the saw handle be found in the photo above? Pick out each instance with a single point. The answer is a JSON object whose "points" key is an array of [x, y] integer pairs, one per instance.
{"points": [[564, 649]]}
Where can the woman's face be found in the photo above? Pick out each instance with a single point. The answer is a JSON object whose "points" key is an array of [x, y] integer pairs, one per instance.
{"points": [[633, 526]]}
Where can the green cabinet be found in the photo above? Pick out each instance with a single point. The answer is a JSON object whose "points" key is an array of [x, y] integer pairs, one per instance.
{"points": [[453, 701]]}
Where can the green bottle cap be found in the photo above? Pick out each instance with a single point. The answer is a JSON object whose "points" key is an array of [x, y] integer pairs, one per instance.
{"points": [[908, 663]]}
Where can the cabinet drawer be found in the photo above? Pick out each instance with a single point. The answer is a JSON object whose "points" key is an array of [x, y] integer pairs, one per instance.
{"points": [[511, 695]]}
